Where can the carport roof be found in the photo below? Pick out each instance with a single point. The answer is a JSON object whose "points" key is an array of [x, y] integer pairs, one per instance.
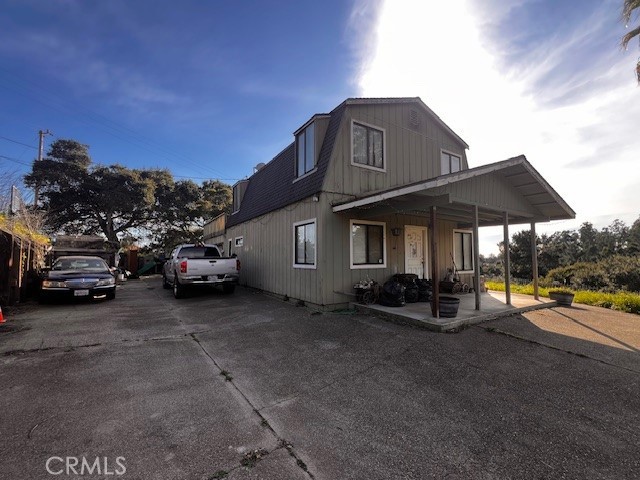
{"points": [[512, 186]]}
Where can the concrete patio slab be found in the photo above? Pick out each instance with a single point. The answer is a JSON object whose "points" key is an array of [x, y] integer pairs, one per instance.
{"points": [[493, 305]]}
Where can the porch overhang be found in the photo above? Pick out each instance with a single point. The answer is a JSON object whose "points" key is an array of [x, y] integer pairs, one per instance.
{"points": [[512, 186]]}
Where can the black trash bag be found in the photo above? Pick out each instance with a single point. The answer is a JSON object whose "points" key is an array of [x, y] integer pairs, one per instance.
{"points": [[411, 294], [405, 279], [425, 290], [392, 294]]}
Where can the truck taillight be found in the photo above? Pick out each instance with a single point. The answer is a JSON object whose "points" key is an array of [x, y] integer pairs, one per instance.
{"points": [[183, 266], [237, 264]]}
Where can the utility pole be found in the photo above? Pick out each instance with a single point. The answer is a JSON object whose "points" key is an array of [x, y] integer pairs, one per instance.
{"points": [[41, 134]]}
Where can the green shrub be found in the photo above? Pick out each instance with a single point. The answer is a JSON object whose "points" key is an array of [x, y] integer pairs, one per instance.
{"points": [[622, 301]]}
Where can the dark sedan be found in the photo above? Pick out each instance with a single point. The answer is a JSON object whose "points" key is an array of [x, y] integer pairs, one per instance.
{"points": [[78, 277]]}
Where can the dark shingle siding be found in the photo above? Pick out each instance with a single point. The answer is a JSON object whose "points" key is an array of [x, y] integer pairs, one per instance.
{"points": [[273, 187]]}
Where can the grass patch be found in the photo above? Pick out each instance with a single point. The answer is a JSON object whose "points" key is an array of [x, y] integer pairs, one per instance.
{"points": [[622, 301], [227, 375], [219, 474], [252, 457]]}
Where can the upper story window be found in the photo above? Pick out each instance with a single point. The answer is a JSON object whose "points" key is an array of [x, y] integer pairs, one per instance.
{"points": [[449, 163], [367, 146], [305, 151], [236, 198]]}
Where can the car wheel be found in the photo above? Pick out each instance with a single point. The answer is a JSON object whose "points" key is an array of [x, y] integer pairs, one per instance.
{"points": [[165, 284], [178, 290], [228, 288]]}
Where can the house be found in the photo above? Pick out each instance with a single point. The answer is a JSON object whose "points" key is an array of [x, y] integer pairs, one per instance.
{"points": [[376, 187]]}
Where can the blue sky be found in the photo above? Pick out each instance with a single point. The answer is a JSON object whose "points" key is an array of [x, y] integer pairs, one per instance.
{"points": [[209, 89]]}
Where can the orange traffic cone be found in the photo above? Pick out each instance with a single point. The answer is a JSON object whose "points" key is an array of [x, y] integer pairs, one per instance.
{"points": [[2, 320]]}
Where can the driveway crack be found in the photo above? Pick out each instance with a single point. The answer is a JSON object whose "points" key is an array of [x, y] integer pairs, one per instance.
{"points": [[282, 443], [553, 347]]}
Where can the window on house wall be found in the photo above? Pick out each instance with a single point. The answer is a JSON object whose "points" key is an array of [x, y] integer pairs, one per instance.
{"points": [[239, 241], [229, 248], [463, 250], [236, 199], [449, 163], [367, 145], [305, 150], [367, 244], [304, 234]]}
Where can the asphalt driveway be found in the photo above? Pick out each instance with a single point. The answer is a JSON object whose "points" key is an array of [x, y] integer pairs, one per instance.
{"points": [[247, 386]]}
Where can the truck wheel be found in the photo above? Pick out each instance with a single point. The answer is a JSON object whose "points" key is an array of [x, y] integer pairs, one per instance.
{"points": [[165, 284], [178, 290], [228, 288]]}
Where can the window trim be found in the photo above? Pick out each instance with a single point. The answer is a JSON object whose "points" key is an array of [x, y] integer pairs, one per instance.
{"points": [[384, 245], [302, 131], [238, 242], [453, 243], [384, 147], [449, 152], [229, 243], [307, 266]]}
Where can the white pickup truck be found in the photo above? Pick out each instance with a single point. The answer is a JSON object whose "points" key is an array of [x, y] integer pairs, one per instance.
{"points": [[199, 264]]}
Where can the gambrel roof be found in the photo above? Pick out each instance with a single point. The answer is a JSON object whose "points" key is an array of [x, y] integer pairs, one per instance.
{"points": [[273, 186]]}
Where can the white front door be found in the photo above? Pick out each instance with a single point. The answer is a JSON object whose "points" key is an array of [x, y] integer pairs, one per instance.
{"points": [[415, 241]]}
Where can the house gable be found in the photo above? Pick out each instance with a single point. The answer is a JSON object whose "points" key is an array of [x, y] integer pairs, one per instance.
{"points": [[414, 138]]}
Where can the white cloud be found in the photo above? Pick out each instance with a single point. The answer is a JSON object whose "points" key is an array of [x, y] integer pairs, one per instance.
{"points": [[575, 122]]}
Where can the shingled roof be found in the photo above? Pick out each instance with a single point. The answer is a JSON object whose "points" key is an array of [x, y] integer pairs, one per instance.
{"points": [[273, 187]]}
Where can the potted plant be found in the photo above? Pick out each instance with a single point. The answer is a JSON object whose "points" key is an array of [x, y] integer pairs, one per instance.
{"points": [[562, 297]]}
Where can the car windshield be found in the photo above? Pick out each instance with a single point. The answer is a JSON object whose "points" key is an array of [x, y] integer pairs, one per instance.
{"points": [[81, 264]]}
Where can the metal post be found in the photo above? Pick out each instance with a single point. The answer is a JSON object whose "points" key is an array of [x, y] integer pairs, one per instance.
{"points": [[435, 302], [534, 260], [41, 134], [476, 257], [507, 266]]}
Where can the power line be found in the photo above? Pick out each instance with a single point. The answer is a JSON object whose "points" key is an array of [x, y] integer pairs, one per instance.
{"points": [[109, 126], [15, 160], [19, 143]]}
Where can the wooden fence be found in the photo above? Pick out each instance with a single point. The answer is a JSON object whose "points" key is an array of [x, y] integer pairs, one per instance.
{"points": [[20, 259]]}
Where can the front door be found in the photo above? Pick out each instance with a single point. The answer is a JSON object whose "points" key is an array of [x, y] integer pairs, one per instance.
{"points": [[415, 240]]}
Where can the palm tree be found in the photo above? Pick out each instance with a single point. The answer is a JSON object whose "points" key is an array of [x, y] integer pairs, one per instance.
{"points": [[627, 11]]}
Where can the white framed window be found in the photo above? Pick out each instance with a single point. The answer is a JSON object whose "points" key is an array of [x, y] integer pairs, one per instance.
{"points": [[304, 244], [236, 199], [305, 150], [449, 162], [463, 250], [239, 241], [368, 244], [368, 145]]}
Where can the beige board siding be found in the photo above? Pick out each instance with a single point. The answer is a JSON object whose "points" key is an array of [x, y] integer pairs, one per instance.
{"points": [[411, 154], [267, 253], [214, 227], [337, 271], [493, 192]]}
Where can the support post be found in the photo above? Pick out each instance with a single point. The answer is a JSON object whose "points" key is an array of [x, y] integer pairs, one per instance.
{"points": [[534, 260], [476, 257], [435, 301], [507, 265]]}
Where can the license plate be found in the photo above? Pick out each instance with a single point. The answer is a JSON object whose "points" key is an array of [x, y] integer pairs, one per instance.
{"points": [[81, 293], [211, 278]]}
